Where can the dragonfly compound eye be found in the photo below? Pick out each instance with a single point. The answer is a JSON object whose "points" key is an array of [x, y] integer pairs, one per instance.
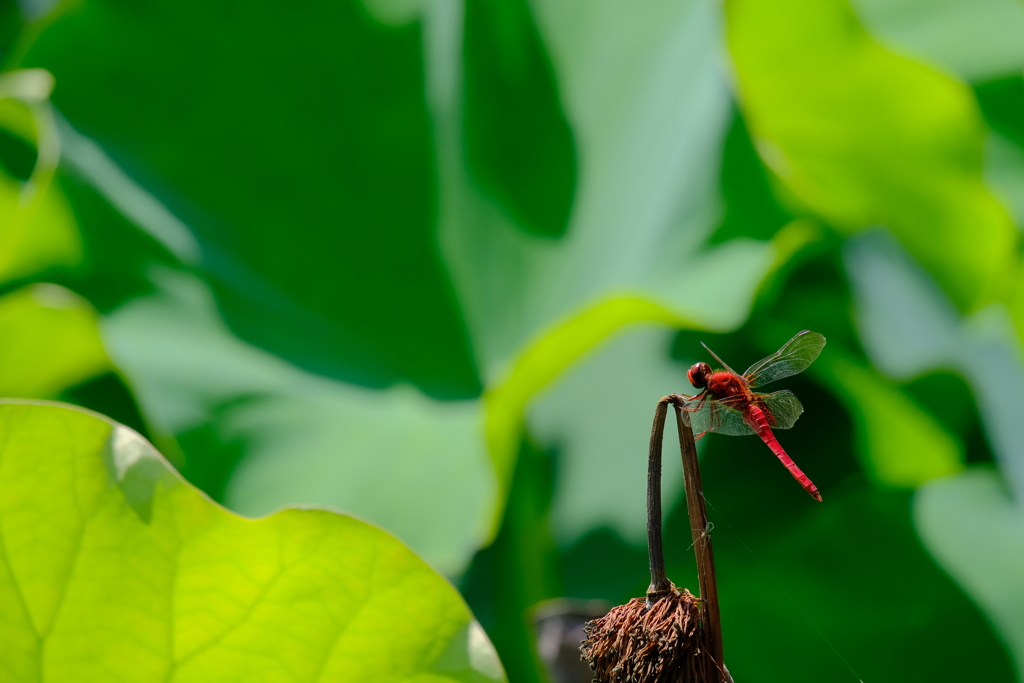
{"points": [[698, 375]]}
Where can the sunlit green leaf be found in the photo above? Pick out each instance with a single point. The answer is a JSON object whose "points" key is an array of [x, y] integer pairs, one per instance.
{"points": [[38, 237], [37, 229], [863, 136], [114, 568], [49, 341]]}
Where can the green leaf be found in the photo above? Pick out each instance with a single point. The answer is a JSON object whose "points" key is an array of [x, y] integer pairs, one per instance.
{"points": [[751, 208], [545, 360], [633, 234], [597, 414], [633, 253], [37, 236], [975, 39], [519, 146], [112, 567], [909, 328], [841, 591], [296, 144], [971, 525], [258, 433], [37, 228], [1002, 103], [1004, 172], [49, 342], [899, 442], [863, 136]]}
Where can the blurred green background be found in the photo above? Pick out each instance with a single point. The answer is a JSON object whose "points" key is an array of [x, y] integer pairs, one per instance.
{"points": [[432, 262]]}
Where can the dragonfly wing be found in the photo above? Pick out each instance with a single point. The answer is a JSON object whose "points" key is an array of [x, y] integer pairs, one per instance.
{"points": [[715, 416], [731, 422], [702, 416], [794, 357], [781, 408]]}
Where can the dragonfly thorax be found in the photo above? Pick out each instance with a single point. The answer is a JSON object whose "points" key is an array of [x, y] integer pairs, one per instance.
{"points": [[722, 384]]}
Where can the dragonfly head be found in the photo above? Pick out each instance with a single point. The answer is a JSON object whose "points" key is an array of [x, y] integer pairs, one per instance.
{"points": [[698, 375]]}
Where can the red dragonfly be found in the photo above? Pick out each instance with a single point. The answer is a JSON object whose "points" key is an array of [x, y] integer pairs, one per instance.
{"points": [[727, 404]]}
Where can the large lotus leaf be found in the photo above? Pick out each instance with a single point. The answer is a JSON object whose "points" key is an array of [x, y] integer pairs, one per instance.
{"points": [[296, 144], [633, 252], [973, 528], [647, 195], [114, 568], [977, 40], [49, 342], [259, 433], [863, 136]]}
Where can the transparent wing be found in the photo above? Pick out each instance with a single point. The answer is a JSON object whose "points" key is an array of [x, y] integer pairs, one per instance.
{"points": [[781, 408], [794, 357], [716, 416]]}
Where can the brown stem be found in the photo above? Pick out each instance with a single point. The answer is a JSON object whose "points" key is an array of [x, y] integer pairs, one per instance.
{"points": [[699, 531], [660, 585]]}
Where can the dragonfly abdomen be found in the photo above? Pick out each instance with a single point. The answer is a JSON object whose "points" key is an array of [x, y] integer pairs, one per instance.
{"points": [[759, 423]]}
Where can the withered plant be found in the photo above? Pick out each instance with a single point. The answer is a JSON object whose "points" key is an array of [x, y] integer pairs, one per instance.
{"points": [[669, 636]]}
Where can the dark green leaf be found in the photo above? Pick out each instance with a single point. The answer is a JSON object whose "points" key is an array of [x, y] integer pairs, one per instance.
{"points": [[519, 144], [296, 143]]}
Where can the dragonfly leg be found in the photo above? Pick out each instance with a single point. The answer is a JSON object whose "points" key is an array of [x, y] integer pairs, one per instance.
{"points": [[695, 402]]}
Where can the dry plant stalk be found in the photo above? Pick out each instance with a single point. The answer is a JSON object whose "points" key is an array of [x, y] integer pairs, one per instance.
{"points": [[670, 636]]}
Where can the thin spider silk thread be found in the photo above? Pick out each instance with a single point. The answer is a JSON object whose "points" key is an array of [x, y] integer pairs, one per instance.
{"points": [[704, 534], [784, 591]]}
